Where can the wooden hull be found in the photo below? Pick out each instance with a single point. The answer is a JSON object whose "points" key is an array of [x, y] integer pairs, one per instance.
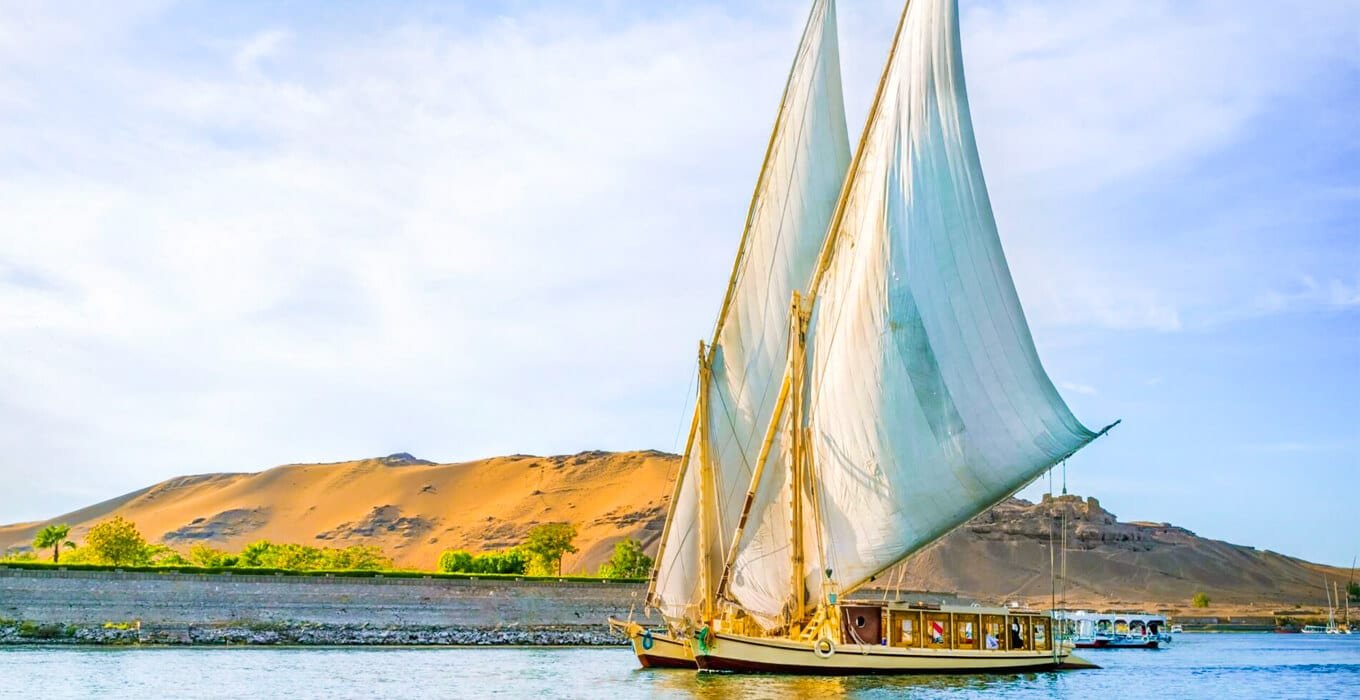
{"points": [[728, 652], [1139, 644], [666, 652], [655, 649]]}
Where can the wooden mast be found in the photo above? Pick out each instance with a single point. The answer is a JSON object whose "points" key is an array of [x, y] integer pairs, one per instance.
{"points": [[797, 336], [706, 509], [793, 386], [801, 462]]}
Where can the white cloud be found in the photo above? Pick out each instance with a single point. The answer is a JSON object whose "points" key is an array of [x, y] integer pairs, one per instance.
{"points": [[1086, 389], [282, 244], [259, 47], [1296, 446], [1309, 292]]}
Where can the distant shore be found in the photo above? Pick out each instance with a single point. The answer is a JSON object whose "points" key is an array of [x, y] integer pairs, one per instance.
{"points": [[53, 606], [128, 608]]}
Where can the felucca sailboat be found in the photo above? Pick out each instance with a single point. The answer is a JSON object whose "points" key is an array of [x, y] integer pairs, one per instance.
{"points": [[895, 391], [741, 370]]}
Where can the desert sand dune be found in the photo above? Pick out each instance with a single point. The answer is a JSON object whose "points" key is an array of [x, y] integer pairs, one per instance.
{"points": [[414, 509]]}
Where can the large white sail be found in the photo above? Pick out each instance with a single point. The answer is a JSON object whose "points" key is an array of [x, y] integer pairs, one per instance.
{"points": [[794, 200], [927, 400]]}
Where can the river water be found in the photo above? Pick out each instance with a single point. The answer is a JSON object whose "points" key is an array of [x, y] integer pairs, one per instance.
{"points": [[1223, 667]]}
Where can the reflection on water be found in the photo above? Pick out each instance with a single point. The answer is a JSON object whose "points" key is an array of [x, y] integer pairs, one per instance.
{"points": [[721, 686], [1196, 666]]}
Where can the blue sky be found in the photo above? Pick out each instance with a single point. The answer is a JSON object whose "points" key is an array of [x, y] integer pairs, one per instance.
{"points": [[235, 237]]}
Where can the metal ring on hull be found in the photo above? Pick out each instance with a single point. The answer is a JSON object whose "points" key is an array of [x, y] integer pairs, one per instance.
{"points": [[824, 648]]}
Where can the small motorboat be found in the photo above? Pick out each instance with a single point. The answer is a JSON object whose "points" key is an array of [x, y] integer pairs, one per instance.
{"points": [[1115, 630]]}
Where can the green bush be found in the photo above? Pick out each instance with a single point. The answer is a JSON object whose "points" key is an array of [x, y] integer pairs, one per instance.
{"points": [[15, 555], [33, 630], [1201, 600], [300, 557], [256, 571], [203, 555], [457, 561], [628, 561]]}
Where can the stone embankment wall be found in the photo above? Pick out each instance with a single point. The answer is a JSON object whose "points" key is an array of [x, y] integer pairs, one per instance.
{"points": [[126, 607]]}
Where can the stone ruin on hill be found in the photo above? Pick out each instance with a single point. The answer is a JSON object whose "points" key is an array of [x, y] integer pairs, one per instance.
{"points": [[1089, 525]]}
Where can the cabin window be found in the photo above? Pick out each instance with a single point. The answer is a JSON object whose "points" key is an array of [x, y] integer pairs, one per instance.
{"points": [[905, 628], [993, 632], [937, 627], [1040, 635], [1018, 633], [966, 631]]}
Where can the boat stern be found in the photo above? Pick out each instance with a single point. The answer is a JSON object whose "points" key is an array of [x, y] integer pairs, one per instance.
{"points": [[1072, 662], [654, 649]]}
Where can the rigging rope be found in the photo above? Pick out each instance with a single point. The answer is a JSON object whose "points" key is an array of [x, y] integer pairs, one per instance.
{"points": [[1063, 573]]}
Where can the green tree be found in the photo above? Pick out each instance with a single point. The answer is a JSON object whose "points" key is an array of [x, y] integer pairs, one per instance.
{"points": [[628, 561], [1201, 600], [547, 544], [294, 557], [359, 557], [254, 554], [116, 541], [54, 536], [511, 561], [1353, 591], [163, 555], [454, 561], [202, 555]]}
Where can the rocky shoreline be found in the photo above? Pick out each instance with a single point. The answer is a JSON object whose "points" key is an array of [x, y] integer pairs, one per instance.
{"points": [[117, 608], [295, 634]]}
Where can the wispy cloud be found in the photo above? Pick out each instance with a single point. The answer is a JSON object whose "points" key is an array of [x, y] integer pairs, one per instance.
{"points": [[230, 240], [1288, 446], [1086, 389], [1308, 292], [258, 48]]}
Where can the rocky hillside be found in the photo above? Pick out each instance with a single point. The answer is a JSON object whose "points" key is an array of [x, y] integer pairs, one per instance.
{"points": [[1004, 554], [414, 509]]}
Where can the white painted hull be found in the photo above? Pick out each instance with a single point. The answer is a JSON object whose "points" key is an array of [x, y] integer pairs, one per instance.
{"points": [[729, 652]]}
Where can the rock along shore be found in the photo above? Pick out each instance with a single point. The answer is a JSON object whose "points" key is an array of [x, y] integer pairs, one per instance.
{"points": [[297, 634], [115, 608]]}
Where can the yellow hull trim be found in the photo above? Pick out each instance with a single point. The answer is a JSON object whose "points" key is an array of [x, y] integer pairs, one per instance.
{"points": [[736, 653]]}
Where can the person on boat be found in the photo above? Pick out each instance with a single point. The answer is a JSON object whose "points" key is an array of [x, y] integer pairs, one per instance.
{"points": [[1017, 641], [992, 642]]}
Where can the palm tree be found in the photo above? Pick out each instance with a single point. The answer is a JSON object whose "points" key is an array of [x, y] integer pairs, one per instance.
{"points": [[54, 536]]}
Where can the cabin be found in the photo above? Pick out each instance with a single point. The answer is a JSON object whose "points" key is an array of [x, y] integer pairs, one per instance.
{"points": [[945, 627]]}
